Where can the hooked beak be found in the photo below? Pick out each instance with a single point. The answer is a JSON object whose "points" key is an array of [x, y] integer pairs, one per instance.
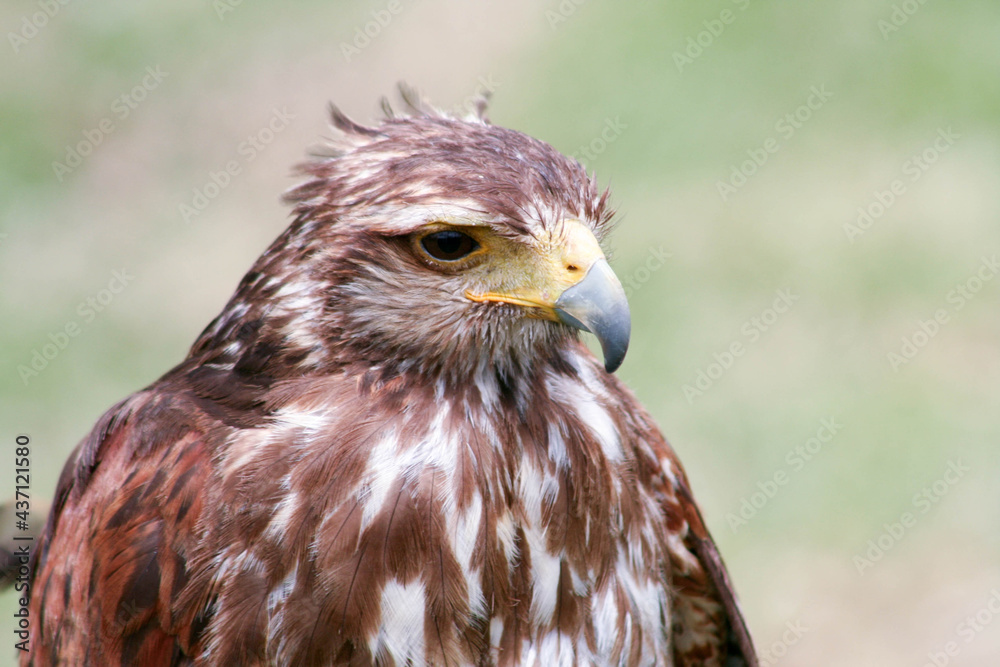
{"points": [[597, 304], [569, 280]]}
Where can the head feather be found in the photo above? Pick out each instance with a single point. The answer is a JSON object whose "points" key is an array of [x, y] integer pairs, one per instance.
{"points": [[420, 154]]}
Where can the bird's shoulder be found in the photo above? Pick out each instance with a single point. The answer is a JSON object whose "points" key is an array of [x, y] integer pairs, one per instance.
{"points": [[113, 558], [709, 619]]}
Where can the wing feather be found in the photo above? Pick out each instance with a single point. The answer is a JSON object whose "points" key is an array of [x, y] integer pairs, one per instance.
{"points": [[738, 640], [708, 625], [113, 557]]}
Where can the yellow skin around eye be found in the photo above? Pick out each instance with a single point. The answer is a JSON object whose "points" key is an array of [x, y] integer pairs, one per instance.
{"points": [[532, 275]]}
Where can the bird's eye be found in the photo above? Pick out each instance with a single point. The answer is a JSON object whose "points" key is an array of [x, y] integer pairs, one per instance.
{"points": [[448, 245]]}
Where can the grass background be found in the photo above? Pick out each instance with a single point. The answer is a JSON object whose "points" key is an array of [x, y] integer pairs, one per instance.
{"points": [[561, 71]]}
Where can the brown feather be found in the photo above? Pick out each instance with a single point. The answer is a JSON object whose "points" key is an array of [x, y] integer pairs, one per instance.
{"points": [[356, 466]]}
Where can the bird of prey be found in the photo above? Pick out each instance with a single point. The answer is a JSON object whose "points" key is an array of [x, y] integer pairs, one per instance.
{"points": [[391, 447]]}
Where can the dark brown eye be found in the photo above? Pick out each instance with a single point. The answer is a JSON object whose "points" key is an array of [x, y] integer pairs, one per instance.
{"points": [[448, 245]]}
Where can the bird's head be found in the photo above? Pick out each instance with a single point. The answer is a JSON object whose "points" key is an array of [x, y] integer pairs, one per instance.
{"points": [[434, 242]]}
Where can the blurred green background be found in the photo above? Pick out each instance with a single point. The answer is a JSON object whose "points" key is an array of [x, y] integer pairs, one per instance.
{"points": [[730, 188]]}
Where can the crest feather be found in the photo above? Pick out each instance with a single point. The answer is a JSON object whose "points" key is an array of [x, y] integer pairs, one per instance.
{"points": [[351, 134]]}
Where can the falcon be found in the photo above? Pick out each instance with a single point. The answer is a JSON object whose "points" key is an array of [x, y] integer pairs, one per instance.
{"points": [[391, 447]]}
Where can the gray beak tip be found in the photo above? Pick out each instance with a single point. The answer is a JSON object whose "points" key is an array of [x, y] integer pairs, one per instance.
{"points": [[597, 304], [613, 358]]}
